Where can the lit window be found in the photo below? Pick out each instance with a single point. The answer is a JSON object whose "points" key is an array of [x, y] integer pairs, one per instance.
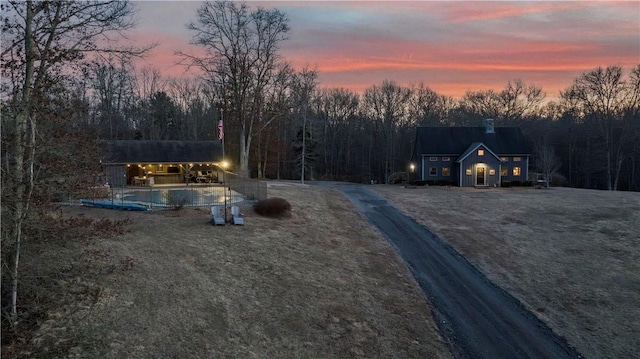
{"points": [[433, 171], [504, 159], [445, 171], [468, 171], [516, 171], [492, 172], [433, 159], [517, 159], [446, 159], [504, 171], [481, 152]]}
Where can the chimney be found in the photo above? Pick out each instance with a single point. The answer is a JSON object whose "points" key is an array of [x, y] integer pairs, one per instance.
{"points": [[488, 126]]}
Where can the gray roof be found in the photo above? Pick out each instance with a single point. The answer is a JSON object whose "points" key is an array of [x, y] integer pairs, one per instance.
{"points": [[456, 140], [163, 152]]}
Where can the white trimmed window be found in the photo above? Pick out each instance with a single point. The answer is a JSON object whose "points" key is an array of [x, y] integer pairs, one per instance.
{"points": [[446, 171], [433, 159], [433, 171], [516, 171], [446, 159], [517, 159], [481, 152]]}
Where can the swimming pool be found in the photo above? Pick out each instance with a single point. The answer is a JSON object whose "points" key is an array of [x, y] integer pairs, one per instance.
{"points": [[184, 196]]}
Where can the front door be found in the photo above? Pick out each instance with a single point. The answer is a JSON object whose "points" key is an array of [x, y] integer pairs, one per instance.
{"points": [[480, 178]]}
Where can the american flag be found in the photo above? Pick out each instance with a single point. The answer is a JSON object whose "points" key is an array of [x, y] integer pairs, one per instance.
{"points": [[220, 130]]}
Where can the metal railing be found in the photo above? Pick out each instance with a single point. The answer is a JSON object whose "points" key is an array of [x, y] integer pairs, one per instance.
{"points": [[192, 195], [235, 191], [253, 189]]}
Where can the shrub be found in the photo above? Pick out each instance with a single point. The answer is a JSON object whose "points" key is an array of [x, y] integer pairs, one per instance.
{"points": [[273, 207], [175, 201], [398, 177]]}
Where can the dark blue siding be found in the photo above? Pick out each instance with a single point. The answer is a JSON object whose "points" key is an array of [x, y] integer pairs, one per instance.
{"points": [[470, 165], [439, 165], [509, 164]]}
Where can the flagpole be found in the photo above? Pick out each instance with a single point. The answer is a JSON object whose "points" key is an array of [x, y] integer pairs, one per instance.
{"points": [[222, 132], [224, 163]]}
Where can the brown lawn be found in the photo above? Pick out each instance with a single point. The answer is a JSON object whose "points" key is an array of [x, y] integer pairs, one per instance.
{"points": [[319, 284], [572, 256]]}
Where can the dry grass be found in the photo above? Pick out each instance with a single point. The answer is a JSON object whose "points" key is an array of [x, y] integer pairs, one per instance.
{"points": [[571, 256], [318, 284]]}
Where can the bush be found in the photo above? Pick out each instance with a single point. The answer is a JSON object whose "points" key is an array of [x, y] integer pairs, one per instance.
{"points": [[398, 177], [505, 184], [273, 207], [175, 201]]}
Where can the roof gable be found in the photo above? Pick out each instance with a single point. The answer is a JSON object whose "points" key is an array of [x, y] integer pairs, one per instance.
{"points": [[474, 146], [163, 151], [456, 140]]}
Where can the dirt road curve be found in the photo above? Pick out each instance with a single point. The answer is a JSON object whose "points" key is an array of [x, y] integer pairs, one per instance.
{"points": [[476, 318]]}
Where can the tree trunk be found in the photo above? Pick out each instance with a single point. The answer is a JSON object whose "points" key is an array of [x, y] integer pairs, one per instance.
{"points": [[304, 136], [609, 169], [245, 145], [265, 155], [24, 147]]}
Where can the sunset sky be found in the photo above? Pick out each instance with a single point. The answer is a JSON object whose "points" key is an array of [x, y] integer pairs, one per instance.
{"points": [[451, 46]]}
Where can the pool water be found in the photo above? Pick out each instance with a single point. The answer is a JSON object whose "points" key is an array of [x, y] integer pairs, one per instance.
{"points": [[192, 197]]}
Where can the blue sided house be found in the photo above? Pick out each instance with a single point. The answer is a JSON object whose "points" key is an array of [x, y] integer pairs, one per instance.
{"points": [[484, 156]]}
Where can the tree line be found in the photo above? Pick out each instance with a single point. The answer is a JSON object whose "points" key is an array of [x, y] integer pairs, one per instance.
{"points": [[67, 87], [589, 134]]}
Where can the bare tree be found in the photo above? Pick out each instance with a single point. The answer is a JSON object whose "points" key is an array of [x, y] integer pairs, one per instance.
{"points": [[508, 106], [427, 107], [632, 115], [303, 89], [602, 97], [241, 48], [546, 159], [113, 87], [278, 103], [518, 100], [195, 107], [40, 42], [336, 110], [387, 104]]}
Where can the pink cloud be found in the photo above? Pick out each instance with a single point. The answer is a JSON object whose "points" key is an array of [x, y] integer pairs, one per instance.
{"points": [[451, 46], [457, 12], [163, 56]]}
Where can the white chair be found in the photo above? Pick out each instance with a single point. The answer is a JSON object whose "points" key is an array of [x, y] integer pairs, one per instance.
{"points": [[201, 177], [217, 218], [236, 217]]}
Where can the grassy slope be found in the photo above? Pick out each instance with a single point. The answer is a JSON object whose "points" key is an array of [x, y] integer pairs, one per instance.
{"points": [[321, 283]]}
